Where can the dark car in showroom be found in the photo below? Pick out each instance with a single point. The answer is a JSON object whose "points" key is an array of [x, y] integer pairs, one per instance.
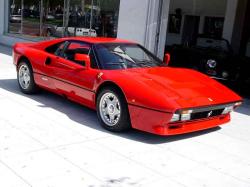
{"points": [[215, 58]]}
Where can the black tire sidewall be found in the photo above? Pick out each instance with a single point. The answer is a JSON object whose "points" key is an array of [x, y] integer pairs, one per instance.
{"points": [[124, 123]]}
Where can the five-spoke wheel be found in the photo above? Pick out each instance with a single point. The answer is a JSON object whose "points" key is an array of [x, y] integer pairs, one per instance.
{"points": [[25, 78], [112, 110]]}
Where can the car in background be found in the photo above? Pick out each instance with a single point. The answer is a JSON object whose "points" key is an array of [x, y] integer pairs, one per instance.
{"points": [[127, 85], [15, 19], [215, 58], [75, 31]]}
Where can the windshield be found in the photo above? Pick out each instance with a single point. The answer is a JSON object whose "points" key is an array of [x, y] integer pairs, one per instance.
{"points": [[125, 56], [212, 43]]}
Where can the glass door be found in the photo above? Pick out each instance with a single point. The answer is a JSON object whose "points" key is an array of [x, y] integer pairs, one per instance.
{"points": [[15, 18], [45, 19], [52, 16], [30, 25]]}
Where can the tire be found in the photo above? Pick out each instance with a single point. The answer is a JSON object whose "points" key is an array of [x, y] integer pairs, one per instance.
{"points": [[25, 78], [118, 108]]}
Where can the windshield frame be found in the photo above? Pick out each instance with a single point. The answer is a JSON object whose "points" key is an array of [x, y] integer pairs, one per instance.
{"points": [[160, 63]]}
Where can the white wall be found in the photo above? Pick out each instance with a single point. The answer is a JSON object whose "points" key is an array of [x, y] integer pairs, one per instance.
{"points": [[152, 25], [139, 21], [1, 17], [229, 19], [132, 22], [163, 28]]}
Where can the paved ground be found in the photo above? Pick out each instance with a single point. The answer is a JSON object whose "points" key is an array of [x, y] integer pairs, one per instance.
{"points": [[46, 140]]}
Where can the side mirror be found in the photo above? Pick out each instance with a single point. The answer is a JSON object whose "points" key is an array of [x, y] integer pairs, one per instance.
{"points": [[167, 58], [82, 58]]}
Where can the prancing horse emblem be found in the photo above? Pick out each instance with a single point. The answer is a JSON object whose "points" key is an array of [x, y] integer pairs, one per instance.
{"points": [[209, 114]]}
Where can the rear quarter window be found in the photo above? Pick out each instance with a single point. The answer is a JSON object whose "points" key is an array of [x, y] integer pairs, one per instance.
{"points": [[53, 48]]}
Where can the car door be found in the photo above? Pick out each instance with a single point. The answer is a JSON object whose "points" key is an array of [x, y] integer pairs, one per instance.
{"points": [[45, 62], [72, 78]]}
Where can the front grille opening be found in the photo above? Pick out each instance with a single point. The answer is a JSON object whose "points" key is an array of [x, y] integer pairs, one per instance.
{"points": [[206, 114]]}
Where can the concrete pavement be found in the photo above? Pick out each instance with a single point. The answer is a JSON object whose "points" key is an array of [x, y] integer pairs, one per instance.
{"points": [[46, 140]]}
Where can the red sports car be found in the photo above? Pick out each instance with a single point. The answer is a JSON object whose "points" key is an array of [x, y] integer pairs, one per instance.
{"points": [[127, 85]]}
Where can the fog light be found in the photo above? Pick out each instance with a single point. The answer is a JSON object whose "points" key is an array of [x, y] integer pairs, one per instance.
{"points": [[227, 110], [175, 118]]}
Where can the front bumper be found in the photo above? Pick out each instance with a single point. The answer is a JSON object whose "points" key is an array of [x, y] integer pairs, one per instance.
{"points": [[157, 122]]}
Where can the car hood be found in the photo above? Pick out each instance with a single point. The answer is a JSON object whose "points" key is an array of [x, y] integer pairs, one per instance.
{"points": [[174, 88]]}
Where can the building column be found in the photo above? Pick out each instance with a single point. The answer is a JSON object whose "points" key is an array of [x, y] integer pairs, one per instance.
{"points": [[239, 23], [163, 26], [230, 19], [144, 21], [156, 30], [132, 23], [2, 17]]}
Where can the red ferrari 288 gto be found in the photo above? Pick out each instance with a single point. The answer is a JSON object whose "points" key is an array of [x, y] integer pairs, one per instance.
{"points": [[127, 85]]}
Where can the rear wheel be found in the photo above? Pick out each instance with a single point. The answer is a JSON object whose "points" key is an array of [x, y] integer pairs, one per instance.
{"points": [[25, 78], [112, 110]]}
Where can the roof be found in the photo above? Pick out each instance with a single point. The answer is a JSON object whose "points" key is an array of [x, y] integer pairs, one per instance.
{"points": [[100, 40]]}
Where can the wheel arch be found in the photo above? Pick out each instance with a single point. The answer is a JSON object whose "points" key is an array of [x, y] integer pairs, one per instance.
{"points": [[108, 84], [23, 58]]}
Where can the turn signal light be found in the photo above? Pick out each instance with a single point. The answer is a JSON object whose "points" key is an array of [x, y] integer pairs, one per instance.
{"points": [[228, 110], [175, 118], [237, 104]]}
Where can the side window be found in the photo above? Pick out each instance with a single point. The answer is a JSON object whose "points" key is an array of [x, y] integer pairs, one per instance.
{"points": [[75, 47], [60, 49], [56, 49], [68, 50]]}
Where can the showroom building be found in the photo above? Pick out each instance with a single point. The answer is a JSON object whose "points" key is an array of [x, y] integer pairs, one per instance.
{"points": [[155, 24]]}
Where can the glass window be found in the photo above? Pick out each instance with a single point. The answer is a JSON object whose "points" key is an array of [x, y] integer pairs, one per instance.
{"points": [[106, 20], [75, 47], [31, 18], [189, 19], [15, 17], [58, 18], [52, 18], [57, 49]]}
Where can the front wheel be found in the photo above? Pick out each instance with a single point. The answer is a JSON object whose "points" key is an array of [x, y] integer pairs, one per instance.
{"points": [[112, 110]]}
